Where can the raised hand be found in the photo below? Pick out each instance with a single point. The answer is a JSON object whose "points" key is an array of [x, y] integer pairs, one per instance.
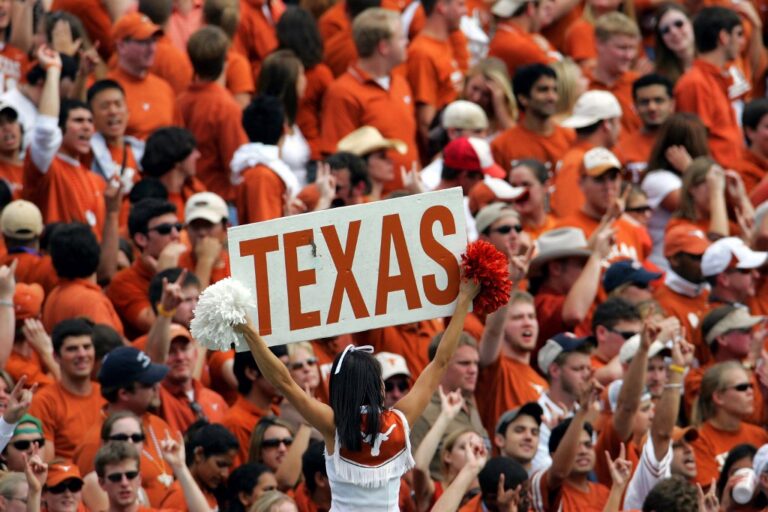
{"points": [[208, 249], [508, 500], [19, 401], [326, 185], [678, 157], [708, 502], [451, 403], [620, 468], [48, 58], [173, 451], [172, 296], [35, 334], [36, 472], [411, 179], [62, 40], [113, 195]]}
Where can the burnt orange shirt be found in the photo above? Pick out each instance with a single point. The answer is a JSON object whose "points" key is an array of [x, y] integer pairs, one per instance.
{"points": [[517, 48], [340, 51], [215, 119], [15, 64], [631, 241], [13, 175], [150, 102], [634, 149], [504, 385], [176, 408], [220, 269], [260, 195], [713, 445], [752, 168], [549, 311], [66, 417], [216, 361], [703, 90], [609, 441], [129, 292], [96, 20], [567, 198], [622, 89], [535, 232], [409, 340], [355, 99], [172, 65], [311, 105], [240, 419], [333, 20], [579, 43], [191, 187], [432, 71], [238, 76], [519, 142], [555, 31], [72, 298], [255, 37], [18, 365], [567, 498], [689, 311], [32, 267]]}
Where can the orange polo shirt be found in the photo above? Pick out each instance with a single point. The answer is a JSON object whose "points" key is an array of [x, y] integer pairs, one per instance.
{"points": [[622, 89], [339, 52], [712, 447], [432, 71], [355, 99], [333, 20], [567, 198], [609, 441], [255, 37], [13, 175], [311, 105], [220, 270], [631, 240], [240, 419], [172, 65], [150, 102], [260, 195], [579, 43], [517, 48], [409, 340], [238, 76], [32, 267], [208, 111], [176, 408], [129, 292], [519, 142], [79, 297], [752, 168], [703, 90], [634, 149], [96, 20]]}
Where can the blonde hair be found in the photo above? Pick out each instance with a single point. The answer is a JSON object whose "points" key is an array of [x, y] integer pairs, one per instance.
{"points": [[695, 174], [269, 500], [372, 26], [613, 24], [568, 73], [713, 381], [294, 347], [494, 69], [224, 14], [449, 442]]}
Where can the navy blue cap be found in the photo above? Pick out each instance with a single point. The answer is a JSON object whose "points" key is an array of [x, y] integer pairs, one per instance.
{"points": [[559, 343], [627, 271], [126, 365]]}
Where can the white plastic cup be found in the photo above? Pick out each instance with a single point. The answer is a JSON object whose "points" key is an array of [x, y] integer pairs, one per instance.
{"points": [[743, 491]]}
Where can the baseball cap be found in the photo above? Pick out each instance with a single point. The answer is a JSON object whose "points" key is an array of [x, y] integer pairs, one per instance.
{"points": [[465, 115], [22, 220], [125, 365], [207, 206], [22, 427], [506, 8], [598, 161], [366, 140], [685, 238], [392, 364], [61, 471], [614, 388], [556, 345], [725, 319], [629, 349], [493, 212], [471, 154], [531, 409], [28, 300], [627, 271], [690, 434], [730, 252], [10, 108], [135, 25], [591, 107], [177, 331]]}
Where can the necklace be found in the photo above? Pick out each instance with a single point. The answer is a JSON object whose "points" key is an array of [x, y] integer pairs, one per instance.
{"points": [[164, 478]]}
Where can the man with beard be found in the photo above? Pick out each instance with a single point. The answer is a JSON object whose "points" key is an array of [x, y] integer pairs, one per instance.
{"points": [[517, 433], [536, 135], [507, 379], [652, 96]]}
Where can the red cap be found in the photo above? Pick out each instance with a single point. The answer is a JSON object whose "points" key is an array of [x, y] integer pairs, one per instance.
{"points": [[135, 25], [471, 154], [28, 300]]}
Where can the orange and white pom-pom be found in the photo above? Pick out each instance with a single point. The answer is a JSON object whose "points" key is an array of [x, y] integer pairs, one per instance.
{"points": [[221, 306], [488, 266]]}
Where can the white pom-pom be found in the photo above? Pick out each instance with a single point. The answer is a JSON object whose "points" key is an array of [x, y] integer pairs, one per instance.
{"points": [[221, 306]]}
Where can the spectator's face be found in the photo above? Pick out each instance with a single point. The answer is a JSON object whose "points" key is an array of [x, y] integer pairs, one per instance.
{"points": [[212, 472], [504, 234], [457, 456], [545, 13], [567, 271], [654, 105], [266, 482], [78, 131], [395, 388], [601, 191], [736, 396], [641, 422], [137, 55], [66, 501], [181, 359], [737, 341], [676, 31], [656, 376], [532, 200], [688, 266], [616, 55], [522, 328], [186, 309], [468, 179], [683, 460], [16, 499], [454, 10], [304, 370], [76, 357], [575, 373], [521, 440], [23, 445], [188, 166], [159, 235], [275, 446], [585, 455], [199, 229], [461, 373], [396, 45], [542, 99], [740, 281], [10, 135], [124, 428], [758, 136], [110, 113], [380, 167], [344, 191], [123, 491], [611, 340], [734, 42], [477, 91], [141, 398], [5, 13], [639, 209]]}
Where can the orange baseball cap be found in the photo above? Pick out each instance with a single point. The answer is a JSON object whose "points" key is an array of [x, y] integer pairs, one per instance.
{"points": [[28, 300], [690, 434], [685, 238], [60, 471], [135, 25]]}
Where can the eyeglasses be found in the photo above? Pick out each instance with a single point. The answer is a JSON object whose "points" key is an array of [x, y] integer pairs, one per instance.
{"points": [[741, 388], [134, 438], [624, 334], [23, 445], [274, 443], [638, 209], [167, 227], [72, 485], [401, 385], [666, 29], [118, 477], [298, 365], [505, 230]]}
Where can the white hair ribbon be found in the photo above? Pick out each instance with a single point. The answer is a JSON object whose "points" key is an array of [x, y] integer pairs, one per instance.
{"points": [[364, 348]]}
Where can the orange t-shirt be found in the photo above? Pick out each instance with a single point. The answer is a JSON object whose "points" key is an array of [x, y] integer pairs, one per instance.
{"points": [[432, 71], [703, 90], [503, 385], [333, 20], [220, 269], [129, 292], [172, 65], [631, 240], [689, 311], [238, 76], [555, 31], [409, 340], [32, 366], [567, 198], [549, 311], [311, 104], [13, 175], [712, 447], [535, 232], [634, 149], [216, 361], [255, 37], [72, 298], [32, 267], [215, 119], [355, 99], [240, 419], [66, 417], [150, 102], [176, 408], [517, 48], [339, 51], [519, 143], [580, 43], [622, 89], [609, 441], [259, 196], [752, 168], [567, 498], [96, 20]]}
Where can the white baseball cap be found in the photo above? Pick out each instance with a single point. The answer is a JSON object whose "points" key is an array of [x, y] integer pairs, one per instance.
{"points": [[392, 364], [730, 252], [465, 115], [614, 388], [629, 349], [591, 107], [598, 161], [207, 206]]}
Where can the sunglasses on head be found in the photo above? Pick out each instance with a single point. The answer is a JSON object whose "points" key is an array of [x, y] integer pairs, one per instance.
{"points": [[298, 365], [666, 29], [71, 485], [505, 230], [167, 227], [744, 386], [25, 444], [274, 443], [401, 385], [134, 438], [118, 477]]}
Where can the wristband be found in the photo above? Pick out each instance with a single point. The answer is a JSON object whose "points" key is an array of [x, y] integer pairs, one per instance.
{"points": [[673, 386], [164, 312], [677, 368]]}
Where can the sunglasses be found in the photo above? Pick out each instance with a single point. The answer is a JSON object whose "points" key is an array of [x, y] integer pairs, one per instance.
{"points": [[167, 227], [118, 477], [666, 29], [744, 386], [638, 209], [274, 443], [624, 334], [402, 386], [72, 485], [298, 365], [505, 230], [134, 438], [25, 444]]}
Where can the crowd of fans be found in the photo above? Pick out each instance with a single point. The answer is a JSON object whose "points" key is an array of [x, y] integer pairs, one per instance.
{"points": [[614, 151]]}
